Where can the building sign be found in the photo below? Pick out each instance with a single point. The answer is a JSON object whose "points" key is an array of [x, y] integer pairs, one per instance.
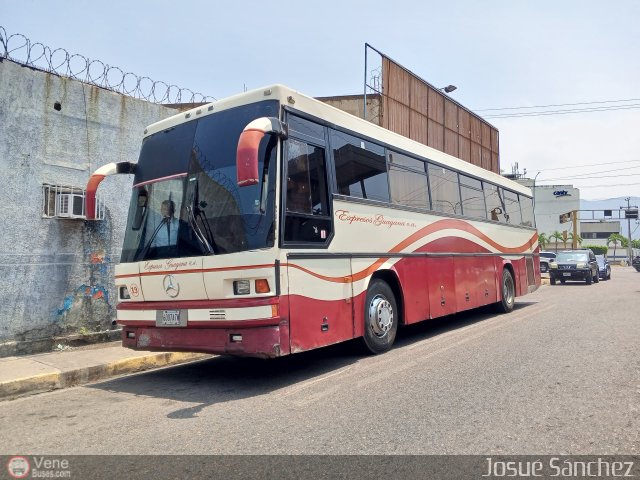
{"points": [[561, 193], [565, 217]]}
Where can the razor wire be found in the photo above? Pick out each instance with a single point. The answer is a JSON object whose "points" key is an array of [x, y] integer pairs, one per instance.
{"points": [[18, 48]]}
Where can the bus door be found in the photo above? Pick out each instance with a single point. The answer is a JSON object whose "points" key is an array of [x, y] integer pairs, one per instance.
{"points": [[319, 284]]}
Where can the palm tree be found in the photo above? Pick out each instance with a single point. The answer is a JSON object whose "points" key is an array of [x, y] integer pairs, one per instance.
{"points": [[556, 236], [578, 238], [543, 240], [616, 239]]}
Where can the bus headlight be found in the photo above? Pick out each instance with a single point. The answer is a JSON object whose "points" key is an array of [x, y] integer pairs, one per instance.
{"points": [[124, 293], [241, 287]]}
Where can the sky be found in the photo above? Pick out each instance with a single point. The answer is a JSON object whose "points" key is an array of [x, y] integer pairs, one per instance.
{"points": [[501, 54]]}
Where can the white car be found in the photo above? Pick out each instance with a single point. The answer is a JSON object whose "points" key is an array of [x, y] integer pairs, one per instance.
{"points": [[545, 258]]}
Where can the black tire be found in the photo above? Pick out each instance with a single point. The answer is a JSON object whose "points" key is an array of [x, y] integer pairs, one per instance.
{"points": [[596, 279], [588, 279], [562, 280], [552, 281], [609, 275], [381, 317], [507, 292]]}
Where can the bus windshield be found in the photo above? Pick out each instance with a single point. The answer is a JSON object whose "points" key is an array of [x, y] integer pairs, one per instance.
{"points": [[185, 199]]}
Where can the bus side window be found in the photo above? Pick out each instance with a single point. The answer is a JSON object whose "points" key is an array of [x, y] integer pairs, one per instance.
{"points": [[307, 213], [445, 190], [361, 167], [496, 210]]}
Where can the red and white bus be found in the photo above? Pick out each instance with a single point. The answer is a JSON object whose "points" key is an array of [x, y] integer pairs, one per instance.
{"points": [[271, 223]]}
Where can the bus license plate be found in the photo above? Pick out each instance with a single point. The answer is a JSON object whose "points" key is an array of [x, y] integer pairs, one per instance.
{"points": [[171, 318]]}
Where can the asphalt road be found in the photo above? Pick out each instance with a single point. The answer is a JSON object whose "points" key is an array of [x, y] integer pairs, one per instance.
{"points": [[559, 375]]}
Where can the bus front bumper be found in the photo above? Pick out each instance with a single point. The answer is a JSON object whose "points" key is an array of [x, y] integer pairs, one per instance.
{"points": [[263, 342]]}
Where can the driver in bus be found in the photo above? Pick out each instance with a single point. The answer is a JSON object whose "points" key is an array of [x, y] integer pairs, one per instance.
{"points": [[168, 233]]}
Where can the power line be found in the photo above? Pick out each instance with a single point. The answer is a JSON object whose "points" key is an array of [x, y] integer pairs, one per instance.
{"points": [[587, 165], [590, 175], [632, 106], [612, 185], [558, 105]]}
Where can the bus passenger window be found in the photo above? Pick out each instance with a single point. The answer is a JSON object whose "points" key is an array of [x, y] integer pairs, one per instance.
{"points": [[445, 192], [526, 205], [513, 208], [361, 167], [496, 210], [408, 181]]}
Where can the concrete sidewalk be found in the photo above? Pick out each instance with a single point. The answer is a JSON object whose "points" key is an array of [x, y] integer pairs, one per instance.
{"points": [[28, 375]]}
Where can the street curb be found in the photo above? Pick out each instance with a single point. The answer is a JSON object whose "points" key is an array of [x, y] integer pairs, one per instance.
{"points": [[47, 382]]}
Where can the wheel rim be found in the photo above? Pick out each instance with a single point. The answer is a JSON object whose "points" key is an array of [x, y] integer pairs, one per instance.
{"points": [[380, 316], [507, 289]]}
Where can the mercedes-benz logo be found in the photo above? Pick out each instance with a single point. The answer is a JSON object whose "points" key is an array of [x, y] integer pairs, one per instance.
{"points": [[171, 286]]}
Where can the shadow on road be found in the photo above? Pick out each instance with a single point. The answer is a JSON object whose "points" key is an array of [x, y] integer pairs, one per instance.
{"points": [[225, 379]]}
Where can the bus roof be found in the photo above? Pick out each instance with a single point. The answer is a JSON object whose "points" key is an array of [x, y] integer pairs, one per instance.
{"points": [[333, 115]]}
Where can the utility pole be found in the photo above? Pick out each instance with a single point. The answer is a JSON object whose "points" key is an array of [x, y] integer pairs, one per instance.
{"points": [[628, 216], [574, 241]]}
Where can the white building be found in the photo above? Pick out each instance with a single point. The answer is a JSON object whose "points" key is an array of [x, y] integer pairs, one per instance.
{"points": [[550, 203]]}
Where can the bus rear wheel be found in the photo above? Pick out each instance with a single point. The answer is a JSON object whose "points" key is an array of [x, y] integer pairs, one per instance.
{"points": [[381, 317], [507, 292]]}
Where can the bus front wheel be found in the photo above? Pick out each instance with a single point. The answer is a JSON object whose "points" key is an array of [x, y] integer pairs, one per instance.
{"points": [[381, 317], [507, 292]]}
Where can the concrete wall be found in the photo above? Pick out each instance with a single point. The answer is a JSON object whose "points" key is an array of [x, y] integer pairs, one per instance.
{"points": [[56, 276]]}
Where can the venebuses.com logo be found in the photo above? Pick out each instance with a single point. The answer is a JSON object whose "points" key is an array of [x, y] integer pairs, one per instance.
{"points": [[38, 467]]}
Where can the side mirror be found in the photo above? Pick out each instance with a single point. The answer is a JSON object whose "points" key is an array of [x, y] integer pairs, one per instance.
{"points": [[141, 209], [97, 177], [248, 145]]}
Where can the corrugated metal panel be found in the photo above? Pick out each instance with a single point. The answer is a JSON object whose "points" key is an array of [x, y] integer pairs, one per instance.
{"points": [[419, 100], [464, 149], [464, 124], [436, 107], [486, 136], [419, 127], [476, 130], [486, 158], [450, 142], [476, 154], [399, 117], [451, 116], [436, 135]]}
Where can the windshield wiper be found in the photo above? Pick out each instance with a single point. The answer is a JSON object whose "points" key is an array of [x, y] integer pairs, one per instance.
{"points": [[147, 245], [194, 214], [193, 223]]}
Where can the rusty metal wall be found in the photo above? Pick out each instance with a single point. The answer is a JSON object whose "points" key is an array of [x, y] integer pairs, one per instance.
{"points": [[415, 109]]}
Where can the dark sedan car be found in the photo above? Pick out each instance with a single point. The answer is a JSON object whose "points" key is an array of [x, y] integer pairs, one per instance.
{"points": [[604, 269], [579, 265]]}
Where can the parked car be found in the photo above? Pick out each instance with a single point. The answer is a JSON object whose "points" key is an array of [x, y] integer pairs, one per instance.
{"points": [[580, 265], [545, 258], [636, 263], [604, 269]]}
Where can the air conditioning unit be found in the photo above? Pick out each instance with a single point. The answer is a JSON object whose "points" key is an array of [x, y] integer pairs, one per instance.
{"points": [[70, 205], [65, 201]]}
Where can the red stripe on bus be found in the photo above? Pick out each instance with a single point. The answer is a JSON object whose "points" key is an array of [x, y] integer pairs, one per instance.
{"points": [[200, 270]]}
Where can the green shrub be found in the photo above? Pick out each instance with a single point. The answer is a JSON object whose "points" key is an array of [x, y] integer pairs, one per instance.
{"points": [[597, 249]]}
